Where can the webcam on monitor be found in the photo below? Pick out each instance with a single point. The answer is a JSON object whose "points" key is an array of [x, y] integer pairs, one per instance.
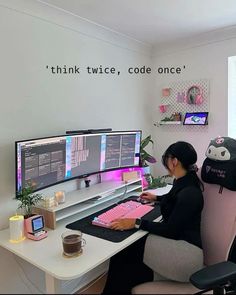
{"points": [[196, 118]]}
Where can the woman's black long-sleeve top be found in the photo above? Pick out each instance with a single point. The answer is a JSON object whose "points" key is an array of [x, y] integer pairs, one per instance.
{"points": [[181, 211]]}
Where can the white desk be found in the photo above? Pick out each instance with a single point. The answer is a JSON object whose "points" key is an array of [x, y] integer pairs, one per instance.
{"points": [[47, 253]]}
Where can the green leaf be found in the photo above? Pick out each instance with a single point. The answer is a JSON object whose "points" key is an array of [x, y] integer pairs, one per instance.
{"points": [[146, 141], [145, 157], [27, 199]]}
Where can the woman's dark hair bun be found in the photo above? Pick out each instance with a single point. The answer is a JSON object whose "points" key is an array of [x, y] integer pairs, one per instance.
{"points": [[184, 152]]}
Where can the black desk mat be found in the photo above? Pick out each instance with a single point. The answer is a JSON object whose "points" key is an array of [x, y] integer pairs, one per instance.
{"points": [[85, 225]]}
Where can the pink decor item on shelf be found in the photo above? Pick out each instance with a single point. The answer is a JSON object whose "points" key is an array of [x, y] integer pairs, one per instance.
{"points": [[179, 97], [162, 108], [166, 92]]}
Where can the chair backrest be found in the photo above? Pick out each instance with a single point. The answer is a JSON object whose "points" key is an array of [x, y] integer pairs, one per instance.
{"points": [[218, 227]]}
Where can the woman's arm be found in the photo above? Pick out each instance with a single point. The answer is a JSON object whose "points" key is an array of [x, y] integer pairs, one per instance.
{"points": [[148, 196], [189, 202], [151, 197]]}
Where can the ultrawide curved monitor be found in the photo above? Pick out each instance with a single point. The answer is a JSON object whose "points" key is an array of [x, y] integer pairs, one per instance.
{"points": [[43, 162]]}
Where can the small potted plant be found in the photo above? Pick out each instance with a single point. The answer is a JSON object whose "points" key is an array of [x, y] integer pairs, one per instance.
{"points": [[27, 200], [157, 182]]}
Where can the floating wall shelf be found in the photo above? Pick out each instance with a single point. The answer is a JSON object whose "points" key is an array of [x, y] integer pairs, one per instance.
{"points": [[170, 123]]}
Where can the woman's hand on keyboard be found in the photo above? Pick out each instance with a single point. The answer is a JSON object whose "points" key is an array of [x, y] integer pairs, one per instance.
{"points": [[123, 224], [148, 196]]}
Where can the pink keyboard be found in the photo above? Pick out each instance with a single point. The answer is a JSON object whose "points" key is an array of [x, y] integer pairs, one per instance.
{"points": [[129, 209]]}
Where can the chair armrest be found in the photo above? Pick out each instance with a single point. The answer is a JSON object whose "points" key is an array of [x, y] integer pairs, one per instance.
{"points": [[214, 275]]}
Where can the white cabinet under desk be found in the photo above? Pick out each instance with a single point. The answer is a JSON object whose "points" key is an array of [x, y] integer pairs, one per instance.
{"points": [[86, 201]]}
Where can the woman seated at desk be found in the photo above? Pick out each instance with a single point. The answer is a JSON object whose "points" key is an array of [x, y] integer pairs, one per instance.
{"points": [[178, 233]]}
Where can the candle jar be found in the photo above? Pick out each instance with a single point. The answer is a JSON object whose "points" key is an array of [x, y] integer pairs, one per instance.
{"points": [[60, 197]]}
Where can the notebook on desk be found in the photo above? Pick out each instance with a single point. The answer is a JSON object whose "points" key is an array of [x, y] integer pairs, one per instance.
{"points": [[85, 225]]}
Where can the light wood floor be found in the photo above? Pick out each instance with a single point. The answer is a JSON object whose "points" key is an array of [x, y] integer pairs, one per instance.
{"points": [[95, 287]]}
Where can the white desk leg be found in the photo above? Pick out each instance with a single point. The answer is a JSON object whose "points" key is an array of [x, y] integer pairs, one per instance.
{"points": [[51, 284]]}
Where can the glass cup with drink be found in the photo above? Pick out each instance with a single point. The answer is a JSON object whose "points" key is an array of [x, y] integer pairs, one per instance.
{"points": [[73, 243]]}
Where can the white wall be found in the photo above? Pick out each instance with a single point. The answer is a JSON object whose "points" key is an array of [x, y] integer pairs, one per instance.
{"points": [[35, 103], [209, 61], [231, 96]]}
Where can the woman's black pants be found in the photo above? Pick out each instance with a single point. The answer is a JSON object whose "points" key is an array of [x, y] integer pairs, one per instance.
{"points": [[127, 269]]}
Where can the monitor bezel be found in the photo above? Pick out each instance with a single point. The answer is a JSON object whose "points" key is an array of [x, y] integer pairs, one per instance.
{"points": [[197, 124], [76, 177]]}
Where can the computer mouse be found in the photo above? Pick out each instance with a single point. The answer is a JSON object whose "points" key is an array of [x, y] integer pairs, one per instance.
{"points": [[143, 201]]}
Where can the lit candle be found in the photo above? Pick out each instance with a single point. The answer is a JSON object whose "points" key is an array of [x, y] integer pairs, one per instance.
{"points": [[16, 228], [60, 196]]}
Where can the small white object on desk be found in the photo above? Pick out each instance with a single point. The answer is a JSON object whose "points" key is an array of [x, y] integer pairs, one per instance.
{"points": [[161, 190], [49, 202], [60, 197]]}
